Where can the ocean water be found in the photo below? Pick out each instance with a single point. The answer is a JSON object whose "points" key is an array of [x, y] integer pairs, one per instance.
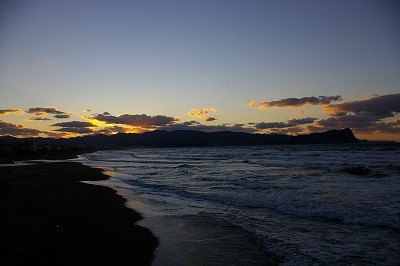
{"points": [[308, 204]]}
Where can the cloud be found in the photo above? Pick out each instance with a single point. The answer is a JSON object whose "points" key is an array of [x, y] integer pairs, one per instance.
{"points": [[301, 121], [375, 107], [11, 111], [78, 130], [38, 119], [291, 122], [203, 113], [86, 110], [353, 121], [210, 118], [62, 116], [268, 125], [194, 125], [113, 130], [142, 120], [363, 116], [359, 124], [391, 128], [295, 102], [40, 111], [17, 130], [79, 124], [77, 127], [287, 131]]}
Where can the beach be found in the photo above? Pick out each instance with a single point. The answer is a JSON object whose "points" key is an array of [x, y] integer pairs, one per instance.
{"points": [[272, 205], [49, 217]]}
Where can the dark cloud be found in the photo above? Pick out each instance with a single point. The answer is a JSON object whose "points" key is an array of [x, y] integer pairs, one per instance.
{"points": [[78, 130], [268, 125], [17, 130], [391, 128], [296, 102], [301, 121], [10, 111], [292, 122], [359, 124], [352, 121], [38, 119], [363, 116], [194, 125], [62, 116], [76, 124], [77, 127], [287, 131], [40, 111], [375, 107], [142, 120]]}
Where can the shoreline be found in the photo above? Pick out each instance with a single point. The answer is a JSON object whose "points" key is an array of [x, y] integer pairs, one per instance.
{"points": [[10, 158], [50, 217], [190, 239]]}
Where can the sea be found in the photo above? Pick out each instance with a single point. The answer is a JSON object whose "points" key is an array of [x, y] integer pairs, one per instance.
{"points": [[255, 205]]}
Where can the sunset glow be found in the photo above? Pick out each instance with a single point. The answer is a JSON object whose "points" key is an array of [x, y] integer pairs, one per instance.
{"points": [[266, 67]]}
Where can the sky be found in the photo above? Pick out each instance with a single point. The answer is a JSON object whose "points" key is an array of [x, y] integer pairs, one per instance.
{"points": [[71, 68]]}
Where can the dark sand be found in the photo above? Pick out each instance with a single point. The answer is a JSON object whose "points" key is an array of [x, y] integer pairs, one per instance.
{"points": [[48, 217], [7, 158]]}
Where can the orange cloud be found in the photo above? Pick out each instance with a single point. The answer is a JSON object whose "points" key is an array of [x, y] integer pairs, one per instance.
{"points": [[11, 111], [118, 129], [203, 113]]}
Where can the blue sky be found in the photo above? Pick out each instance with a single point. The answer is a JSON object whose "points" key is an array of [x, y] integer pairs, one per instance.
{"points": [[169, 57]]}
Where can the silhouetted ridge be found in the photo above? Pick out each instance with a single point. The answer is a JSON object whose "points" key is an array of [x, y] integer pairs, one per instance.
{"points": [[331, 136], [188, 138]]}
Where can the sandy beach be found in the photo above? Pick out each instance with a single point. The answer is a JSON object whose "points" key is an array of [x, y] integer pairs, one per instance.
{"points": [[49, 217]]}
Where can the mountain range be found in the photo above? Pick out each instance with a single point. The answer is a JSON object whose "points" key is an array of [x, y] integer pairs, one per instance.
{"points": [[188, 138]]}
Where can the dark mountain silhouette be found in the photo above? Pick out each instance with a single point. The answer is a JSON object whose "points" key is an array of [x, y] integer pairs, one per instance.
{"points": [[187, 138]]}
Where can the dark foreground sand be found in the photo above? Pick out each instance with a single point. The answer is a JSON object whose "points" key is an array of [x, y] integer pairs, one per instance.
{"points": [[48, 217], [8, 158]]}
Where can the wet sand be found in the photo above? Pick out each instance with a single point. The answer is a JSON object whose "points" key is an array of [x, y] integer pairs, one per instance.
{"points": [[49, 217], [201, 240]]}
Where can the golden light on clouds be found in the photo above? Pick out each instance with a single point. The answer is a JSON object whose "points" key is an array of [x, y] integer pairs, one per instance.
{"points": [[203, 113], [371, 117]]}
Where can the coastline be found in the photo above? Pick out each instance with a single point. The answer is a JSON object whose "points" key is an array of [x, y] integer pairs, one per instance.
{"points": [[50, 217], [9, 158], [190, 239]]}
